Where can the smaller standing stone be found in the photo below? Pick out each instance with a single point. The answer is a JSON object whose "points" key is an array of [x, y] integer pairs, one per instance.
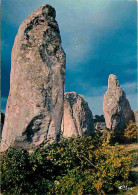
{"points": [[116, 107], [77, 119], [136, 117]]}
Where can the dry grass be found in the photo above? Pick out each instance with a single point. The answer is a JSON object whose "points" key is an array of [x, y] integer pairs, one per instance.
{"points": [[134, 191], [133, 146], [133, 149]]}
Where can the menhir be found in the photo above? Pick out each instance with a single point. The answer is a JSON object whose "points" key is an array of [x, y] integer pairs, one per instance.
{"points": [[116, 107], [77, 118], [35, 103]]}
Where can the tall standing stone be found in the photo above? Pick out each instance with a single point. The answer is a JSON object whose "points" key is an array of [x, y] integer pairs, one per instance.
{"points": [[35, 103], [116, 107], [77, 119]]}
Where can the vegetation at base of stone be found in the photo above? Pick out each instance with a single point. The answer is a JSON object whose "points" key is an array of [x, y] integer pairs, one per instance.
{"points": [[126, 136], [130, 133], [74, 166]]}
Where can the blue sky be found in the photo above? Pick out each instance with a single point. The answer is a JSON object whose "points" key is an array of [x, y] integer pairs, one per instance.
{"points": [[98, 36]]}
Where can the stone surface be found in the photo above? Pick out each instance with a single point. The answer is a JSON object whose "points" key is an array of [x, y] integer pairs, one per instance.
{"points": [[116, 107], [35, 103], [136, 117], [77, 118]]}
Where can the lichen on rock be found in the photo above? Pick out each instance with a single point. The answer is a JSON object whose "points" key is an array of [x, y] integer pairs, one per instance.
{"points": [[116, 107], [35, 104], [77, 118]]}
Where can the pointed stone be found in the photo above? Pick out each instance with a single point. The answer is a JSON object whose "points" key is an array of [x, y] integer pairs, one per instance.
{"points": [[35, 103], [116, 107]]}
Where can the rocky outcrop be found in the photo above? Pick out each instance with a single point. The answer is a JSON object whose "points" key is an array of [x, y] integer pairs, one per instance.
{"points": [[35, 103], [116, 107], [77, 119], [136, 116]]}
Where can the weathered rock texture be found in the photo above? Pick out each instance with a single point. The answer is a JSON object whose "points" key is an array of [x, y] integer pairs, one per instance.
{"points": [[35, 103], [136, 117], [77, 118], [115, 106]]}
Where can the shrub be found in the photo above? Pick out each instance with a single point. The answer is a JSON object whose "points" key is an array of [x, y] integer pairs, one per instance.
{"points": [[73, 166], [20, 175], [128, 135], [106, 170], [131, 131]]}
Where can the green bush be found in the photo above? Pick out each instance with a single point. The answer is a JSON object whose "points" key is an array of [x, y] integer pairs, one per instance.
{"points": [[126, 136], [130, 133], [73, 166], [106, 168]]}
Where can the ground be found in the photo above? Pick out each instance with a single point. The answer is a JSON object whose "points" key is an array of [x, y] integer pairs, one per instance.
{"points": [[133, 149]]}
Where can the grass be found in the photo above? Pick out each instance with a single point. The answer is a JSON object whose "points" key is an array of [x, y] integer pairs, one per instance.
{"points": [[133, 150]]}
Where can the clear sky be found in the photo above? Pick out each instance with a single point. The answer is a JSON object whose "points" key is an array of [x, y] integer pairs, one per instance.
{"points": [[98, 36]]}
